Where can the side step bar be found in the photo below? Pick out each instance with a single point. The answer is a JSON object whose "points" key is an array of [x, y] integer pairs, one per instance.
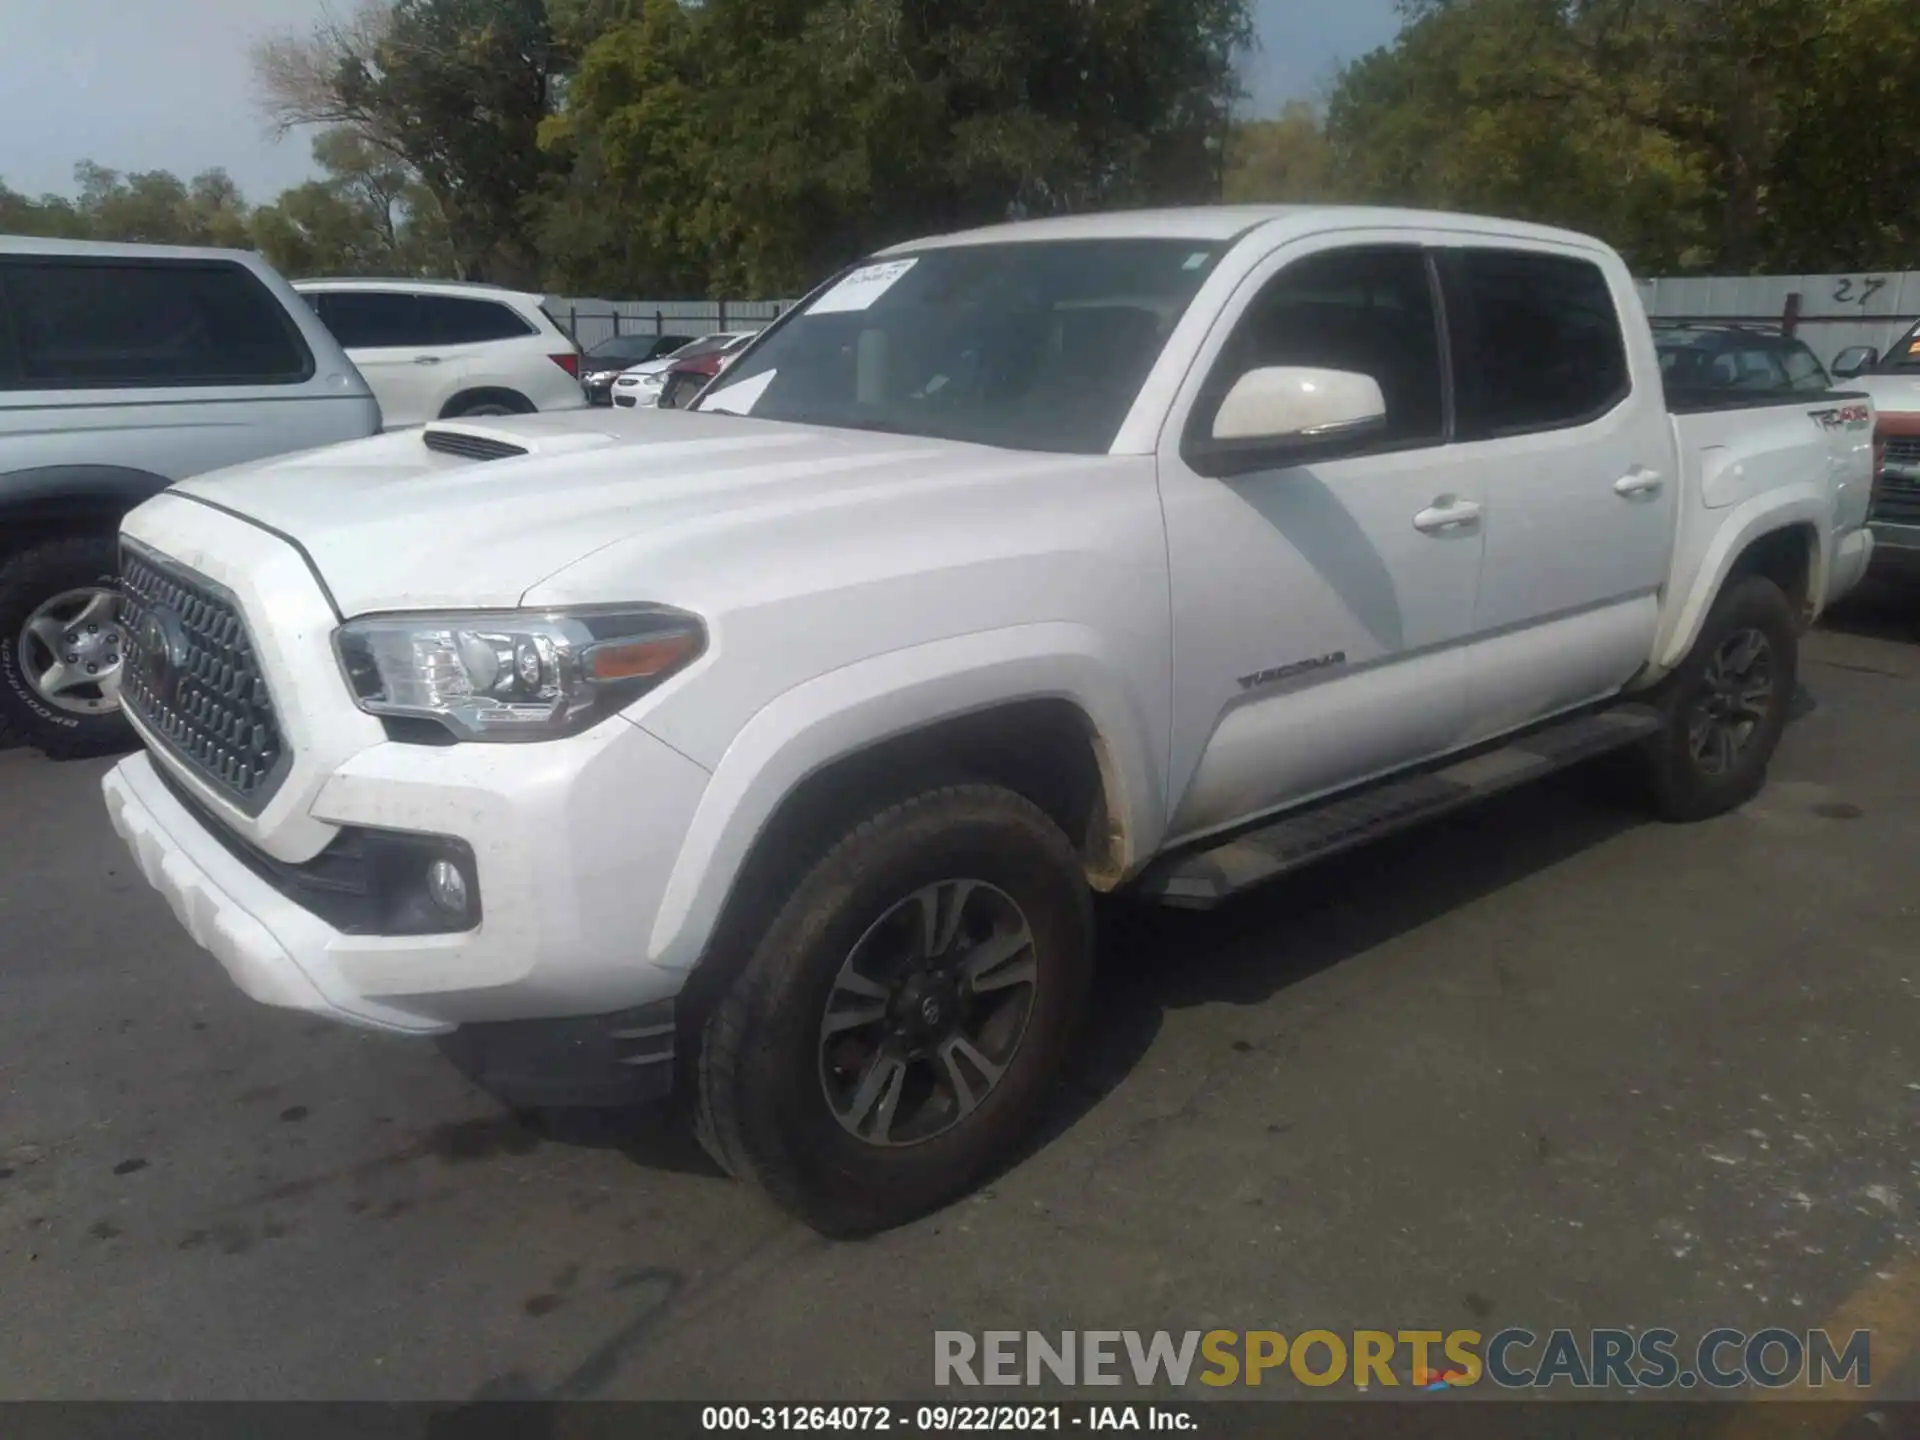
{"points": [[1201, 879]]}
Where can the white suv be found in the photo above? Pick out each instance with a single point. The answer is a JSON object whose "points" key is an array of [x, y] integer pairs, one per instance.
{"points": [[436, 350]]}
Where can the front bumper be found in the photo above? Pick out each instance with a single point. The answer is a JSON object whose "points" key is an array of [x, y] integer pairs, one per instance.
{"points": [[572, 840], [1888, 535], [592, 1060]]}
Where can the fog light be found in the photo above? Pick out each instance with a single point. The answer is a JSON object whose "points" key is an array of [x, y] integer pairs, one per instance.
{"points": [[447, 886]]}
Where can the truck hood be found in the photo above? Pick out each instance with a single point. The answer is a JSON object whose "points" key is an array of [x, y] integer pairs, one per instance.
{"points": [[1891, 394], [400, 522]]}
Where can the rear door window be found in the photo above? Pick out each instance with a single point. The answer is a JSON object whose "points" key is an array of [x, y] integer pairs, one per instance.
{"points": [[370, 319], [1536, 340], [449, 320], [78, 322]]}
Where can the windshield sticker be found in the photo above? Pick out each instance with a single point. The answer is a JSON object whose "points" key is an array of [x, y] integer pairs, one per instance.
{"points": [[860, 289], [1196, 260], [739, 399]]}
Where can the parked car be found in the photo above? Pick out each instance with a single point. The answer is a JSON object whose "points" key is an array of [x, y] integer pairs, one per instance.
{"points": [[432, 350], [601, 365], [1164, 550], [1893, 381], [1736, 358], [642, 385], [124, 368]]}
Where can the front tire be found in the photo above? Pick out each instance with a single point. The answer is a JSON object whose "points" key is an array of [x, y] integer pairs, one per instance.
{"points": [[61, 649], [898, 1026], [1726, 705]]}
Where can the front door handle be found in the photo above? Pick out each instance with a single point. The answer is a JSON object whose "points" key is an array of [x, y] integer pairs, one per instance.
{"points": [[1639, 482], [1448, 512], [426, 359]]}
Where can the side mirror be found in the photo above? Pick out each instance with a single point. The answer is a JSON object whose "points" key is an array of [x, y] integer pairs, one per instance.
{"points": [[1854, 360], [1283, 414], [1294, 403]]}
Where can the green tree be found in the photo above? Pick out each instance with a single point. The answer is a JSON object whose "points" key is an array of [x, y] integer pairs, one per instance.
{"points": [[454, 90], [1282, 160], [50, 215], [758, 143], [1695, 134], [1519, 108], [1843, 190], [368, 216]]}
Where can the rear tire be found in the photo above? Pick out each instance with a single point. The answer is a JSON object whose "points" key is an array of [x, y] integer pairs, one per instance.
{"points": [[48, 582], [1726, 705], [829, 1070]]}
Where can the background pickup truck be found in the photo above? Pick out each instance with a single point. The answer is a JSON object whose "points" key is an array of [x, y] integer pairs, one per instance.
{"points": [[772, 751], [1892, 382]]}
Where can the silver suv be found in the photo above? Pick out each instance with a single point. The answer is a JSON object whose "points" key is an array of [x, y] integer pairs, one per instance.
{"points": [[122, 369]]}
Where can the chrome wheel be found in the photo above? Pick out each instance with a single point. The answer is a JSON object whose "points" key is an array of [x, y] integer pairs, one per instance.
{"points": [[71, 650], [1736, 698], [926, 1012]]}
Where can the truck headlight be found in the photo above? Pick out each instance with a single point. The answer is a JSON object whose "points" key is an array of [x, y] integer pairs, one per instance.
{"points": [[516, 674]]}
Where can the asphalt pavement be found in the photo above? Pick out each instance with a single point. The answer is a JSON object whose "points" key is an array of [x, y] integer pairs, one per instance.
{"points": [[1544, 1064]]}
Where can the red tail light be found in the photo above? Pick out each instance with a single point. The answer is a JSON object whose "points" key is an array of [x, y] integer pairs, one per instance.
{"points": [[569, 362]]}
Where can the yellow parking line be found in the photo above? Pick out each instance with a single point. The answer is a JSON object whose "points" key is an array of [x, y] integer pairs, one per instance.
{"points": [[1889, 1311]]}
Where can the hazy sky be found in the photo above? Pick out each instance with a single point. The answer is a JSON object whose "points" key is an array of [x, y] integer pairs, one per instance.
{"points": [[165, 84]]}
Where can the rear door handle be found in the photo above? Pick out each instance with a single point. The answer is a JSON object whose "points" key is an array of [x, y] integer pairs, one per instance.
{"points": [[1639, 482], [1447, 513], [426, 359]]}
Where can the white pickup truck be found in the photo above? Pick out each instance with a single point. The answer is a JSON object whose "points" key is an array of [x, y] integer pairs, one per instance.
{"points": [[771, 751]]}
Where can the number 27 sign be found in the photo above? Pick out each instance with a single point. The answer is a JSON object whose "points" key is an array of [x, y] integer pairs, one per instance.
{"points": [[1852, 291]]}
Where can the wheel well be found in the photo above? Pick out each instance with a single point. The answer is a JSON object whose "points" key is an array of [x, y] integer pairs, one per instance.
{"points": [[486, 395], [24, 531], [1045, 750], [1786, 558]]}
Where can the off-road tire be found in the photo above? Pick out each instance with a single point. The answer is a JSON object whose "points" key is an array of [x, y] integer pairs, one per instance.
{"points": [[28, 579], [760, 1108], [1679, 788]]}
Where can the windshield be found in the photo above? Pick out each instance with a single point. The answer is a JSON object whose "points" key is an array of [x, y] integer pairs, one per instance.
{"points": [[1033, 346], [706, 345], [623, 347], [1757, 364], [1903, 356]]}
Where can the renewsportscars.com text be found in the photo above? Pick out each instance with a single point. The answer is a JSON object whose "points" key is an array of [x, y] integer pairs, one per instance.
{"points": [[1512, 1359]]}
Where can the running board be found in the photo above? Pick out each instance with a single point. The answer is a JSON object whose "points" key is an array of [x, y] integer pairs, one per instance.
{"points": [[1201, 879]]}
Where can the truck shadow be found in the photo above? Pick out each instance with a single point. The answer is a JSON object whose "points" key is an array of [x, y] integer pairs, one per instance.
{"points": [[1886, 606], [1155, 960]]}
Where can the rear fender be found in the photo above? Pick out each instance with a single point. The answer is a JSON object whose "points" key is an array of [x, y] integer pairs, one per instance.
{"points": [[1803, 506]]}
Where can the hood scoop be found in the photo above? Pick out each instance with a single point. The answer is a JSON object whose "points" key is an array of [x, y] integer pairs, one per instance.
{"points": [[470, 447], [470, 441]]}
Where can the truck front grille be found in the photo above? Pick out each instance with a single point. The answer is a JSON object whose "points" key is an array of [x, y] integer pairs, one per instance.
{"points": [[192, 679], [1903, 449], [1896, 498]]}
